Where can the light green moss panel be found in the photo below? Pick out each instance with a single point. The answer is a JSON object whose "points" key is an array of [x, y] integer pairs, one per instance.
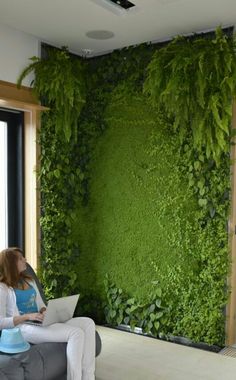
{"points": [[140, 215]]}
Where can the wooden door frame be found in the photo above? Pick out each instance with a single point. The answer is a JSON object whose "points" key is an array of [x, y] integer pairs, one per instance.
{"points": [[24, 100]]}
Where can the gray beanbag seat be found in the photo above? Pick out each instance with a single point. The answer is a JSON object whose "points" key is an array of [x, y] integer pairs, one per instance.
{"points": [[44, 361]]}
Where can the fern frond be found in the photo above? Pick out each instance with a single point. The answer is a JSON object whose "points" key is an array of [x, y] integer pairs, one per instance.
{"points": [[27, 71]]}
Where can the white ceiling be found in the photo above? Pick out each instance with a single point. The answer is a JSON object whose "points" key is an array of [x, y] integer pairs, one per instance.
{"points": [[66, 22]]}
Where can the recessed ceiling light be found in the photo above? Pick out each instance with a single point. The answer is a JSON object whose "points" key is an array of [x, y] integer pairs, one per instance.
{"points": [[100, 34]]}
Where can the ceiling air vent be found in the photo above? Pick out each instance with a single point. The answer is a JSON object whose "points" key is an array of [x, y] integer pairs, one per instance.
{"points": [[125, 4], [119, 7]]}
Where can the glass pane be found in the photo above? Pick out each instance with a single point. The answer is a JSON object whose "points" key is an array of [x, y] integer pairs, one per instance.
{"points": [[3, 186]]}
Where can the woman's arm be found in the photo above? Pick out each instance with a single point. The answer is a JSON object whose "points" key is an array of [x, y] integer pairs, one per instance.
{"points": [[18, 319], [41, 305], [6, 322]]}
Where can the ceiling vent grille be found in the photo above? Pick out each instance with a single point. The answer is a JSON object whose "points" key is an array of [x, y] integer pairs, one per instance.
{"points": [[125, 4], [119, 7]]}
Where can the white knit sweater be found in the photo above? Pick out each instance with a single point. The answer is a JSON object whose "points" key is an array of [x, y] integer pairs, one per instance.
{"points": [[8, 308]]}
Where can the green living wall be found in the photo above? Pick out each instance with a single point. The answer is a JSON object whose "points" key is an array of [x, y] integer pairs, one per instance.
{"points": [[144, 228], [135, 189], [140, 214]]}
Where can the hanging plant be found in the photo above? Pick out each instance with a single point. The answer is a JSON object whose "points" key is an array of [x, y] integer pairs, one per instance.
{"points": [[59, 83], [59, 80], [194, 82]]}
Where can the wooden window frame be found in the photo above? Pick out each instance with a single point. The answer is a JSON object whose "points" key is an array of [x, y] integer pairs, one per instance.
{"points": [[231, 307], [24, 100]]}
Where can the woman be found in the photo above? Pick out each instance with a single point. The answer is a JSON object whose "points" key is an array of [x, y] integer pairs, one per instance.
{"points": [[20, 301]]}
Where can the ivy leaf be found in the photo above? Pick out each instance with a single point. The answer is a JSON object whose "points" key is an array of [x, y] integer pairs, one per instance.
{"points": [[130, 301], [157, 325], [151, 308], [202, 202], [126, 320], [57, 173]]}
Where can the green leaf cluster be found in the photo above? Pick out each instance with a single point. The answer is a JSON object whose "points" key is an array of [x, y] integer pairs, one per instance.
{"points": [[150, 315], [61, 190], [194, 81], [208, 181], [60, 83]]}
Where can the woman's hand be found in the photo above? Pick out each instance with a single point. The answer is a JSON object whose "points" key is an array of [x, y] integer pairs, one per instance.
{"points": [[28, 317], [34, 317], [43, 310]]}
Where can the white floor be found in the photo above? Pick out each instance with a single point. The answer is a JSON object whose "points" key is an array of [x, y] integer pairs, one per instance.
{"points": [[127, 356]]}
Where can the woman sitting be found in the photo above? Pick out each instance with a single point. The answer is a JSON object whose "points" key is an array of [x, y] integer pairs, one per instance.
{"points": [[20, 301]]}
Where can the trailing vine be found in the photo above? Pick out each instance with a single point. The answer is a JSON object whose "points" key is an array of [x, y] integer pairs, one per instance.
{"points": [[59, 82], [61, 190]]}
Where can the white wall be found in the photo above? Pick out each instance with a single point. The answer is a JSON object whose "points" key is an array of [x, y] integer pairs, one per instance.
{"points": [[15, 50]]}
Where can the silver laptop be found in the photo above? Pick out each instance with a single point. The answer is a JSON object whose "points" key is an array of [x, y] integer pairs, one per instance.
{"points": [[58, 310]]}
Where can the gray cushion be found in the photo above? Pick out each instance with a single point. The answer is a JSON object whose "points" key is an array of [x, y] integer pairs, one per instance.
{"points": [[11, 366], [3, 376], [34, 366], [47, 361]]}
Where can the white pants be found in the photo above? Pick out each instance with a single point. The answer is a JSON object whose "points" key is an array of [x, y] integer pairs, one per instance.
{"points": [[79, 333]]}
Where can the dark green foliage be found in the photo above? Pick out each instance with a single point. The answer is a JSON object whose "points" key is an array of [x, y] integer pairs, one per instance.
{"points": [[59, 81], [144, 223], [194, 82], [141, 191], [61, 190], [149, 315]]}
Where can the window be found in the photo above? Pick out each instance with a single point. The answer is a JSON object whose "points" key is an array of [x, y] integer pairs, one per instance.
{"points": [[12, 178], [3, 187]]}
